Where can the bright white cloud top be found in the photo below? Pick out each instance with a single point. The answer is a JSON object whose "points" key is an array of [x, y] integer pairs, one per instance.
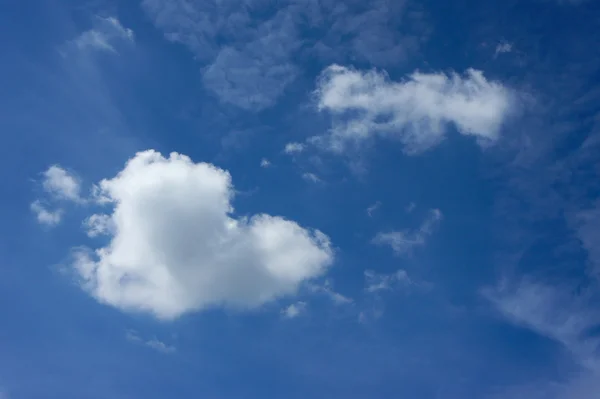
{"points": [[418, 111], [176, 247]]}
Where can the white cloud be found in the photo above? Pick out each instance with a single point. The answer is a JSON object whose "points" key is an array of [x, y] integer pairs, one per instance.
{"points": [[153, 343], [248, 65], [104, 35], [402, 242], [249, 53], [247, 81], [383, 282], [587, 226], [294, 148], [410, 207], [98, 224], [61, 184], [294, 310], [502, 48], [311, 177], [373, 208], [177, 248], [417, 111], [327, 289], [554, 312], [265, 163], [45, 216], [565, 315]]}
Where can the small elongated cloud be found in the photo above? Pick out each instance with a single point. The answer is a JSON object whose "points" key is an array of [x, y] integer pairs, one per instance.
{"points": [[327, 289], [311, 177], [587, 226], [417, 111], [502, 48], [175, 246], [153, 343], [45, 216], [403, 242], [371, 209], [294, 148], [61, 184], [106, 33], [383, 282]]}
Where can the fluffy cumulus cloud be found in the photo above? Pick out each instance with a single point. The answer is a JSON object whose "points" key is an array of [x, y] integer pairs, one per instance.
{"points": [[403, 242], [106, 33], [176, 246], [418, 111]]}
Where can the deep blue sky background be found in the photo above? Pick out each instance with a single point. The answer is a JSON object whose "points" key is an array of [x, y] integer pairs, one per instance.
{"points": [[518, 215]]}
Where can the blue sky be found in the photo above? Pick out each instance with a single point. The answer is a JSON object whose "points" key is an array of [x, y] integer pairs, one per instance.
{"points": [[291, 199]]}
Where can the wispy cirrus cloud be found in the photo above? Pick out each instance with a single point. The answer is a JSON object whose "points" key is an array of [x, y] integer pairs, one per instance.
{"points": [[566, 315], [375, 282], [105, 35], [404, 241], [153, 343], [249, 50]]}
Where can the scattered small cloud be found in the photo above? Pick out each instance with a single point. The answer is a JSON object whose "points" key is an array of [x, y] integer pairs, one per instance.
{"points": [[153, 343], [502, 48], [376, 282], [265, 163], [103, 37], [327, 289], [45, 216], [294, 148], [62, 184], [311, 177], [410, 207], [416, 111], [169, 254], [294, 310], [371, 209], [402, 242]]}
